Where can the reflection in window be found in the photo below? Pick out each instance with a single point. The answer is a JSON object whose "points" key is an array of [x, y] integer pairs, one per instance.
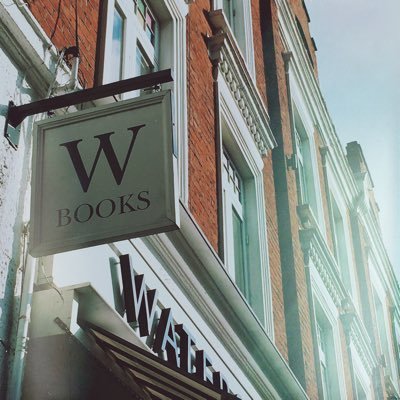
{"points": [[236, 14], [142, 65], [323, 359], [117, 46]]}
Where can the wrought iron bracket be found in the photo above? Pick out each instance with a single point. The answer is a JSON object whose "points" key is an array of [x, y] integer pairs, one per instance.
{"points": [[16, 114]]}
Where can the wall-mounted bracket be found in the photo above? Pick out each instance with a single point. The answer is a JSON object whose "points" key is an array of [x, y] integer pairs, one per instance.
{"points": [[16, 114], [11, 133]]}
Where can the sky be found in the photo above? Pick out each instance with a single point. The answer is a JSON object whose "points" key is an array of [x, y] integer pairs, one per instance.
{"points": [[358, 54]]}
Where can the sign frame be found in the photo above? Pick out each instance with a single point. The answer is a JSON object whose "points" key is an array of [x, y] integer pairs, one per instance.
{"points": [[41, 241]]}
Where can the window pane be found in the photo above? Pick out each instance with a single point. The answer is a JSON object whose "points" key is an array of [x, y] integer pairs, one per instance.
{"points": [[117, 46], [238, 236], [142, 65], [141, 7], [229, 12]]}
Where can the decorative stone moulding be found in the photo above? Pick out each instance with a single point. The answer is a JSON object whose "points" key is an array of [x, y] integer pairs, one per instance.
{"points": [[315, 249], [363, 349], [228, 60]]}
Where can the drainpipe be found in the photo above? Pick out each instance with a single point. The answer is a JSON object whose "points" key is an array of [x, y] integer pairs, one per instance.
{"points": [[73, 83], [218, 153], [291, 161], [17, 370], [215, 44]]}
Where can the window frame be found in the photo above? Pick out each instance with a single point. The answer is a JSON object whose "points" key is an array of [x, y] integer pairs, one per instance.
{"points": [[238, 141], [383, 321], [244, 37], [306, 155], [171, 15], [347, 271], [135, 33], [303, 112], [326, 311]]}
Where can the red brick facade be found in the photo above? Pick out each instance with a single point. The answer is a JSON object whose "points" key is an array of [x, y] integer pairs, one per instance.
{"points": [[292, 312], [298, 323], [201, 124], [58, 20]]}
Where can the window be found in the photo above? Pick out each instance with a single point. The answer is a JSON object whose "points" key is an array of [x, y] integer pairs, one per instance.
{"points": [[234, 13], [303, 190], [339, 244], [117, 45], [238, 16], [305, 169], [234, 223], [141, 36], [243, 219], [327, 357], [131, 47], [382, 332], [323, 360]]}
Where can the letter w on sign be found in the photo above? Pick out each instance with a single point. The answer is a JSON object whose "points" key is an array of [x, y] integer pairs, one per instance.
{"points": [[106, 147]]}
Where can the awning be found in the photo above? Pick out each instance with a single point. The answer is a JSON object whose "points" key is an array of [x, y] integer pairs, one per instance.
{"points": [[161, 380]]}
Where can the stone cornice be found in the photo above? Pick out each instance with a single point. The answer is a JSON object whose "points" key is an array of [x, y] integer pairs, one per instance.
{"points": [[226, 57]]}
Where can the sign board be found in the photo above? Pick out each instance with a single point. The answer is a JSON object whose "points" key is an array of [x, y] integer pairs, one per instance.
{"points": [[103, 175]]}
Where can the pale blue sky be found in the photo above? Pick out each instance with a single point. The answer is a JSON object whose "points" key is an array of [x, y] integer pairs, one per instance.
{"points": [[358, 54]]}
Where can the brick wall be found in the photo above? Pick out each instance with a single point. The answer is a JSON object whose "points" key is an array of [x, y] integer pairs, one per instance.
{"points": [[300, 11], [274, 259], [57, 18], [297, 315], [201, 126], [258, 51], [346, 363]]}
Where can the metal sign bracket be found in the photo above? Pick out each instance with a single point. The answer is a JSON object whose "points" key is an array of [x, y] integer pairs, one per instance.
{"points": [[16, 114]]}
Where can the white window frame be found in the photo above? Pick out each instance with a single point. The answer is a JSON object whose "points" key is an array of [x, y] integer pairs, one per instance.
{"points": [[360, 373], [303, 109], [243, 32], [133, 34], [323, 360], [326, 309], [346, 271], [171, 47], [232, 192], [307, 164], [239, 142], [379, 293]]}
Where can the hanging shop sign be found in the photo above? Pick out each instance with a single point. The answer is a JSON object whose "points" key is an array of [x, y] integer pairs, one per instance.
{"points": [[102, 175]]}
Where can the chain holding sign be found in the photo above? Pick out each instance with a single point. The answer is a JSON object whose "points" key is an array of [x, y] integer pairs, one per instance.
{"points": [[102, 175]]}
